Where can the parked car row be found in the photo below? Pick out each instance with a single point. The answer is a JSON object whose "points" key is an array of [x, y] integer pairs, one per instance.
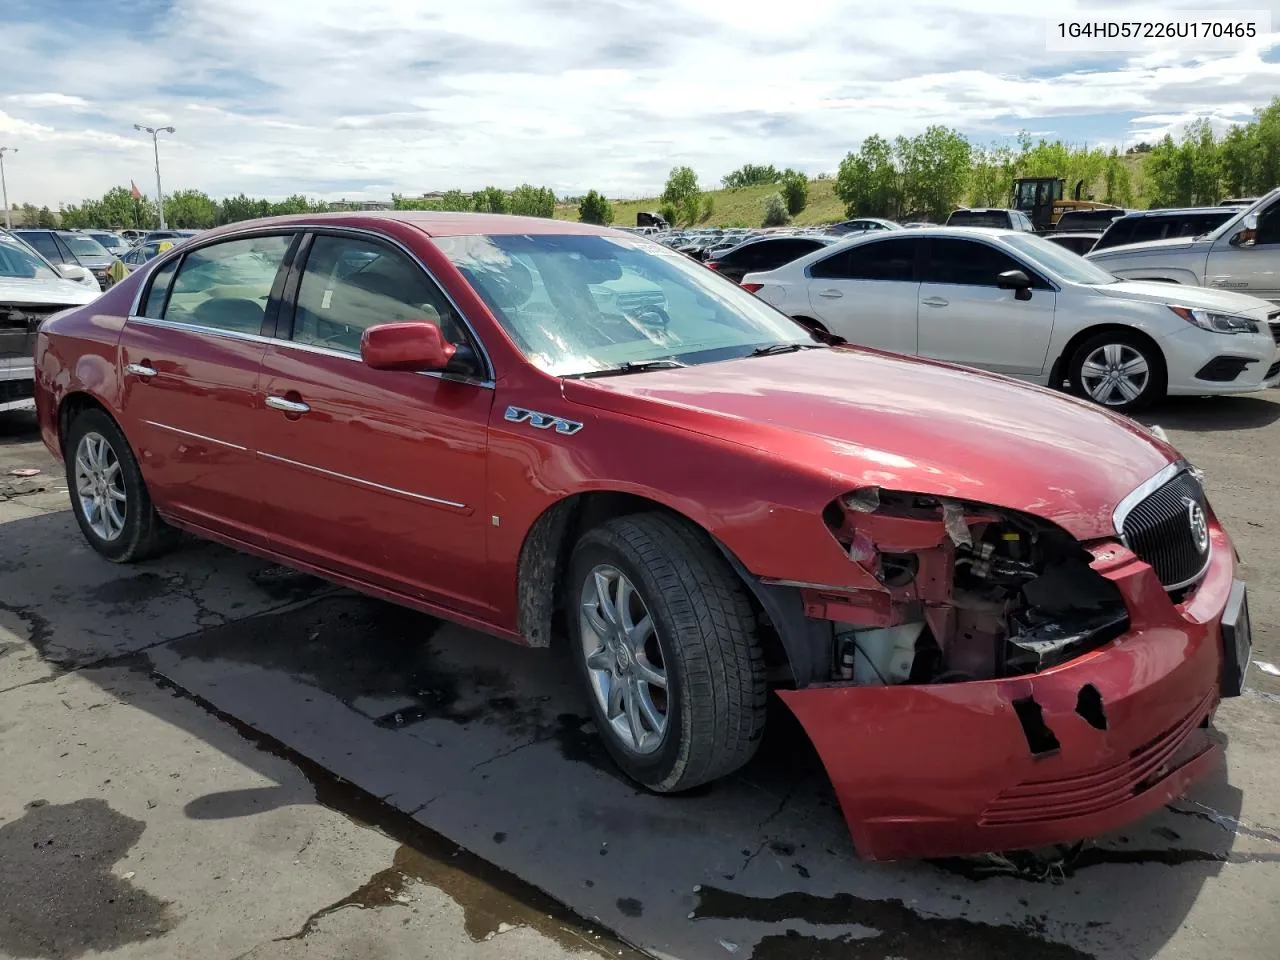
{"points": [[1018, 304], [1005, 618]]}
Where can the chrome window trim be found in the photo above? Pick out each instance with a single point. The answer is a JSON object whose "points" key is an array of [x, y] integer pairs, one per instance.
{"points": [[197, 436], [1142, 491], [198, 328], [365, 483]]}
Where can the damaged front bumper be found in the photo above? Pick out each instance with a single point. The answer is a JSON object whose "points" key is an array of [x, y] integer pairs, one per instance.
{"points": [[1079, 749]]}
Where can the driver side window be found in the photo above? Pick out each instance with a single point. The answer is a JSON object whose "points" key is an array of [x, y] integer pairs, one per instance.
{"points": [[350, 284]]}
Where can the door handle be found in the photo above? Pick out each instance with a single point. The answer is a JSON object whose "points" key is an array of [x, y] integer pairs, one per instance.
{"points": [[140, 370], [830, 294], [934, 302], [288, 406]]}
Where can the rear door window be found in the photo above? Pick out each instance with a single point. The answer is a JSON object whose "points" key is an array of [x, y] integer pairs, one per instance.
{"points": [[227, 285], [44, 242], [889, 259]]}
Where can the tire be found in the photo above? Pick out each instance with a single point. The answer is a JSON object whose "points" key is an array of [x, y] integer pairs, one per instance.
{"points": [[1120, 348], [137, 533], [703, 642]]}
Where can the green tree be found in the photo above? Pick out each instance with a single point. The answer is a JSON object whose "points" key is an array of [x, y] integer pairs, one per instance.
{"points": [[868, 182], [670, 213], [530, 201], [751, 175], [795, 191], [1184, 174], [708, 208], [45, 218], [455, 201], [241, 207], [594, 208], [190, 210], [298, 204], [1119, 183], [935, 170], [489, 200], [683, 193], [775, 211], [991, 176]]}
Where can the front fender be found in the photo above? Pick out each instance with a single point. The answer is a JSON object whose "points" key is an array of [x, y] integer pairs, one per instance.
{"points": [[1163, 274]]}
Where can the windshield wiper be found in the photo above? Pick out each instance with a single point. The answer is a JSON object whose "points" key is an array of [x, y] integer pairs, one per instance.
{"points": [[631, 366], [770, 349]]}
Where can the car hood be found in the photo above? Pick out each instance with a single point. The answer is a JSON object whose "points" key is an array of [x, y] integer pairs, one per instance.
{"points": [[1154, 247], [861, 417], [53, 291], [1185, 295]]}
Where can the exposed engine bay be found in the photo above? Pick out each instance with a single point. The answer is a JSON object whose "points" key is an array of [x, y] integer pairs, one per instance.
{"points": [[965, 592]]}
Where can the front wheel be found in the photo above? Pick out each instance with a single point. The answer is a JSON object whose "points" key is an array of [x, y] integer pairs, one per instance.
{"points": [[664, 640], [1119, 370]]}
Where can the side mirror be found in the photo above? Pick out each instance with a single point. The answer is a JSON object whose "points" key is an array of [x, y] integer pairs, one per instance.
{"points": [[414, 346], [1248, 232], [1016, 281], [73, 271]]}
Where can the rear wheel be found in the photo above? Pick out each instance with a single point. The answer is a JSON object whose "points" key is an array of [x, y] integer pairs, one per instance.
{"points": [[664, 640], [1119, 370], [108, 495]]}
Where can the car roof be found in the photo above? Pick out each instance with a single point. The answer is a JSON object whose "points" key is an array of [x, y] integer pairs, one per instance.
{"points": [[982, 210], [431, 222], [1180, 211], [955, 233]]}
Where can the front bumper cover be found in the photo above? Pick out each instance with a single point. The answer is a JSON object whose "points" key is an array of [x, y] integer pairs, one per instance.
{"points": [[953, 769]]}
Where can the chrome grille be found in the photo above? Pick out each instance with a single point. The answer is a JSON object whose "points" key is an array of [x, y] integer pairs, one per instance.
{"points": [[1162, 530], [1273, 321]]}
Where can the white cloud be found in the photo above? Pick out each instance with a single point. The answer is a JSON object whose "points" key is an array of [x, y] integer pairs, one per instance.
{"points": [[39, 100], [361, 97]]}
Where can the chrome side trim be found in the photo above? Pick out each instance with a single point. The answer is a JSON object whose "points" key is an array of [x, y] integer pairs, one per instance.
{"points": [[1141, 492], [196, 436], [365, 483], [197, 328], [806, 585]]}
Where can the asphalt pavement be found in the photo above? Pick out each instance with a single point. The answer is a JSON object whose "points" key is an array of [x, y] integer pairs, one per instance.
{"points": [[210, 756]]}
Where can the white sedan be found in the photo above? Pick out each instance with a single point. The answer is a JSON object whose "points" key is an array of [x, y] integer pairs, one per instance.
{"points": [[1016, 304]]}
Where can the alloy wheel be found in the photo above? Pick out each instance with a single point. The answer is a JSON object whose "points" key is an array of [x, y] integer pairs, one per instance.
{"points": [[100, 486], [1115, 374], [624, 659]]}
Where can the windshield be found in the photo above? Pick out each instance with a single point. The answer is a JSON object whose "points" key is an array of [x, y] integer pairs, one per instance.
{"points": [[1058, 260], [19, 263], [574, 304], [85, 248]]}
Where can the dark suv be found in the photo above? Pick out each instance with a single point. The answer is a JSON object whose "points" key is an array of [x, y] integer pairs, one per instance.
{"points": [[1088, 219], [996, 217], [1164, 225]]}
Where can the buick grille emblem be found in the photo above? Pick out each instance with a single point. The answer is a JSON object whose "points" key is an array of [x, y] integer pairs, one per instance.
{"points": [[543, 421], [1199, 526]]}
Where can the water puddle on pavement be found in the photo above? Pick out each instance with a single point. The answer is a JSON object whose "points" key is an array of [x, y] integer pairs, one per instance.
{"points": [[492, 899]]}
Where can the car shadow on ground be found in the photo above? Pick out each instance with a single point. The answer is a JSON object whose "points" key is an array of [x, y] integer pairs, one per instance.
{"points": [[479, 756], [1214, 413]]}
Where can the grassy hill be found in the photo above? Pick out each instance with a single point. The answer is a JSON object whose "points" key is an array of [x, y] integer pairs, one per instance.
{"points": [[733, 208], [744, 207]]}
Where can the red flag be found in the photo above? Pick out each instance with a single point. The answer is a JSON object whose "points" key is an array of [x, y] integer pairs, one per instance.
{"points": [[133, 189]]}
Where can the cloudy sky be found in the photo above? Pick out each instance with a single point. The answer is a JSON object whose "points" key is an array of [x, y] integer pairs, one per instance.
{"points": [[359, 98]]}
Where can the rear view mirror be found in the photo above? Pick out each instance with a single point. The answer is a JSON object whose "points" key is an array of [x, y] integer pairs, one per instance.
{"points": [[1016, 281], [413, 346]]}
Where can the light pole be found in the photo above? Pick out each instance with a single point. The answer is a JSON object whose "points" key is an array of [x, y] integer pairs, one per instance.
{"points": [[155, 145], [4, 187]]}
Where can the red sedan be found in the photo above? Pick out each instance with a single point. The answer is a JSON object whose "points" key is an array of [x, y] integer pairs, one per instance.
{"points": [[1004, 617]]}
